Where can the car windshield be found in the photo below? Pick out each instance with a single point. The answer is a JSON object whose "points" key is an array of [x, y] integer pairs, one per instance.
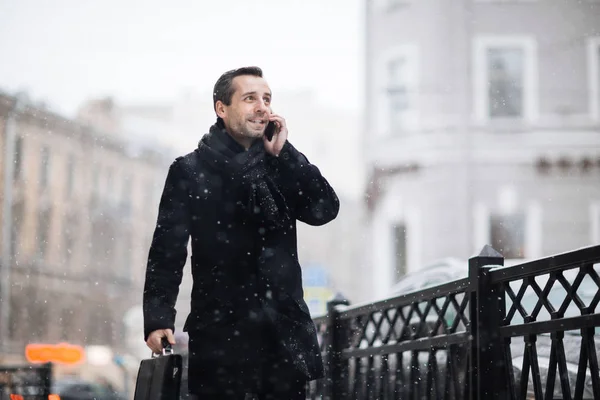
{"points": [[59, 386]]}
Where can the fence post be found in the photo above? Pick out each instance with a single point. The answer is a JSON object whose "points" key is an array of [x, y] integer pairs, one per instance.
{"points": [[46, 380], [487, 309], [338, 337]]}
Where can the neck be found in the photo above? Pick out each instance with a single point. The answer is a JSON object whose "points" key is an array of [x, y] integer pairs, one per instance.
{"points": [[243, 140]]}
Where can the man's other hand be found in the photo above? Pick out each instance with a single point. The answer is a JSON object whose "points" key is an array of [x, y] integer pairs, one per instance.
{"points": [[154, 341]]}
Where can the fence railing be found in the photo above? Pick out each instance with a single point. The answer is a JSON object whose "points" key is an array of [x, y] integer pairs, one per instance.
{"points": [[529, 331]]}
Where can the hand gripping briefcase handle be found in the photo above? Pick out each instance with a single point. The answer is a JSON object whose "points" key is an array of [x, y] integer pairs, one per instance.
{"points": [[159, 377], [166, 350]]}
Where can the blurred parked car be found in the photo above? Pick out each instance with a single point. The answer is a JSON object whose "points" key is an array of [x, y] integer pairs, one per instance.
{"points": [[437, 273], [75, 389]]}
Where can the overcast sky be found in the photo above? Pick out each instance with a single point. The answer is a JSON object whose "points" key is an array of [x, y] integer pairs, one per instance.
{"points": [[66, 51]]}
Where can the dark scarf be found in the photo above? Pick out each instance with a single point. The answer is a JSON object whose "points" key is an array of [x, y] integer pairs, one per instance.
{"points": [[262, 201]]}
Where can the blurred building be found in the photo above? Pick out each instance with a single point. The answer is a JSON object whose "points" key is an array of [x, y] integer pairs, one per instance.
{"points": [[84, 206], [484, 128]]}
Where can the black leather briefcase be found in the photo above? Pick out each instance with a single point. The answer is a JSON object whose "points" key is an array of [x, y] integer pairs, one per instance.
{"points": [[159, 377]]}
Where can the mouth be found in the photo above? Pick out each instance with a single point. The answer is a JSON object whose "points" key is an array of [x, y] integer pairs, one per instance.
{"points": [[258, 122]]}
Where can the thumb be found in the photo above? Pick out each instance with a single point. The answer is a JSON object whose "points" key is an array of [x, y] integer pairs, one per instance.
{"points": [[169, 335]]}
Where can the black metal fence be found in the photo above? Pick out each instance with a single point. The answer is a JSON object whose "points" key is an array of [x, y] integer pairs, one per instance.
{"points": [[31, 382], [529, 331]]}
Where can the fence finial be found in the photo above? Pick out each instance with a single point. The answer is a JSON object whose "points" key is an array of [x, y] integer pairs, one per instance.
{"points": [[339, 298], [489, 252]]}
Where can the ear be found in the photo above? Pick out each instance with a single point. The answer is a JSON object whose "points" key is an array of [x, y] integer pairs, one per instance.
{"points": [[221, 109]]}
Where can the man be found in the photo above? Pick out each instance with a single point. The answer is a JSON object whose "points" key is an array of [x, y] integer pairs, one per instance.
{"points": [[238, 196]]}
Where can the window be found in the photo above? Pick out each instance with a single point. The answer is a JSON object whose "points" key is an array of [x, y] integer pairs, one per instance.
{"points": [[70, 175], [44, 220], [39, 312], [15, 310], [507, 234], [18, 215], [44, 167], [397, 80], [594, 77], [505, 76], [70, 230], [398, 96], [69, 241], [18, 160], [505, 85], [513, 226], [66, 324], [400, 256]]}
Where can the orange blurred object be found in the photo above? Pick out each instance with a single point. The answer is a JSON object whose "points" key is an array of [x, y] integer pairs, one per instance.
{"points": [[62, 353]]}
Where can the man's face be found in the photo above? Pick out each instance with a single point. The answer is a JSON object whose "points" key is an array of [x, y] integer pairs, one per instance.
{"points": [[248, 114]]}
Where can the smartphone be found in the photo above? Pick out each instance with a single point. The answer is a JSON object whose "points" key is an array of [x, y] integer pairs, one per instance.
{"points": [[270, 130]]}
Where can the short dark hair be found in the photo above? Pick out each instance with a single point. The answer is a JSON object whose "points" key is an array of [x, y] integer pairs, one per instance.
{"points": [[224, 89]]}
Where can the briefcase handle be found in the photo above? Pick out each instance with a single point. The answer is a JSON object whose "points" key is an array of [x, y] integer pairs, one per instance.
{"points": [[167, 348]]}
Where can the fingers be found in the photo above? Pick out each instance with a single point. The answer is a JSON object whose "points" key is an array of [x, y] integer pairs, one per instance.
{"points": [[170, 336], [154, 341], [153, 344], [278, 119], [281, 132]]}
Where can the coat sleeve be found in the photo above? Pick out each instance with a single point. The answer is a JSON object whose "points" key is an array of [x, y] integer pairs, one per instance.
{"points": [[168, 253], [316, 203]]}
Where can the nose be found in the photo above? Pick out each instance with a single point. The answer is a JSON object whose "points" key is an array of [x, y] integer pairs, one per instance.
{"points": [[261, 107]]}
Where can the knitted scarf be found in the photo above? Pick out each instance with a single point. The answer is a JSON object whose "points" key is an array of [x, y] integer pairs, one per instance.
{"points": [[261, 201]]}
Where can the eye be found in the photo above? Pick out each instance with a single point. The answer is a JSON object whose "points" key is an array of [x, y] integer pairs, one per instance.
{"points": [[250, 98], [267, 100]]}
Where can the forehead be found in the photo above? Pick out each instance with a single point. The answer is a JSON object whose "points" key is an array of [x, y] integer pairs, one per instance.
{"points": [[249, 83]]}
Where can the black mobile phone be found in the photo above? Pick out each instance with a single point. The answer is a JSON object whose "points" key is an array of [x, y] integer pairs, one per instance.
{"points": [[270, 130]]}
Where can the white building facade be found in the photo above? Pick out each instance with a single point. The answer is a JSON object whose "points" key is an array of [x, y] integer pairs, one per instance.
{"points": [[483, 126]]}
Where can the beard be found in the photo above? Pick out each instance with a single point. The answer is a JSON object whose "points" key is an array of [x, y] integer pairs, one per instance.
{"points": [[251, 129], [240, 125]]}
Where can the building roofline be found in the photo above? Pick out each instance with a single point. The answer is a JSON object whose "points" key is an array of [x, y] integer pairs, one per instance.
{"points": [[62, 125]]}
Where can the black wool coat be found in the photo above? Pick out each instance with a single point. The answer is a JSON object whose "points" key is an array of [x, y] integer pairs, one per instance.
{"points": [[245, 276]]}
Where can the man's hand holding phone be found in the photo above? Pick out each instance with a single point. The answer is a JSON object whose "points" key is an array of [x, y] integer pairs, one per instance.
{"points": [[280, 135]]}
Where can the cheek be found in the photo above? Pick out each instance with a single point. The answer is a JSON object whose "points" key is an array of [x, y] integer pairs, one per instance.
{"points": [[240, 114], [234, 116]]}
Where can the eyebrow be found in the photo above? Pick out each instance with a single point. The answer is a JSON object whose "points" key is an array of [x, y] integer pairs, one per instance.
{"points": [[249, 93]]}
